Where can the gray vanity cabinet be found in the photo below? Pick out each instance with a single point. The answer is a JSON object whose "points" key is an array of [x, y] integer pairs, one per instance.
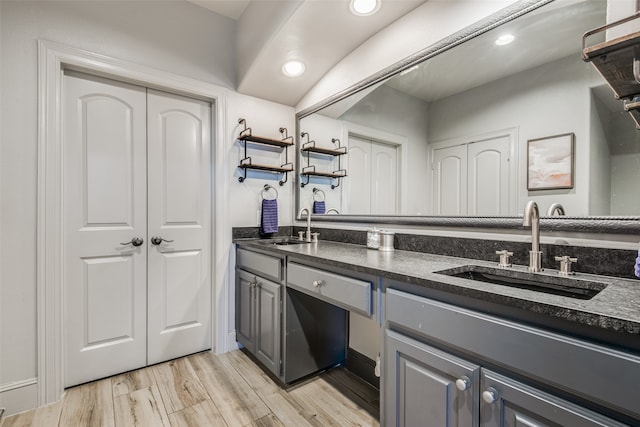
{"points": [[259, 308], [425, 386]]}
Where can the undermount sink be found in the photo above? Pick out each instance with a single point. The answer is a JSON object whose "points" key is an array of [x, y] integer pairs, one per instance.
{"points": [[563, 286], [284, 241]]}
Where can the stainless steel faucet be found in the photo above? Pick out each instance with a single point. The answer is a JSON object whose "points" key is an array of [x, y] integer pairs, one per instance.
{"points": [[555, 207], [532, 219], [308, 233]]}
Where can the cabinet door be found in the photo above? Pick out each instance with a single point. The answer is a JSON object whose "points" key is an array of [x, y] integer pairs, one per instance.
{"points": [[508, 403], [245, 319], [420, 385], [267, 339]]}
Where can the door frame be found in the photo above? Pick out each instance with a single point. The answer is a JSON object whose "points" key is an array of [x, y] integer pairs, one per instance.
{"points": [[53, 59]]}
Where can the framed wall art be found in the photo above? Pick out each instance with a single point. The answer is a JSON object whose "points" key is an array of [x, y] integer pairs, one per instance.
{"points": [[550, 162]]}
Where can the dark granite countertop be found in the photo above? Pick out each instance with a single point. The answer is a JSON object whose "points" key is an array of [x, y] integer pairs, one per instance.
{"points": [[615, 308]]}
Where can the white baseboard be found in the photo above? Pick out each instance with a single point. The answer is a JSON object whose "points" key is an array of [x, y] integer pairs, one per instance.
{"points": [[232, 344], [19, 396]]}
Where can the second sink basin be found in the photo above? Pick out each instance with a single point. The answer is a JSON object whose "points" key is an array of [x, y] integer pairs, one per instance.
{"points": [[563, 286]]}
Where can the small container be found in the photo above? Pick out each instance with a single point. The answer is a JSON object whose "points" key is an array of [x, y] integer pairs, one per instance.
{"points": [[386, 241], [373, 238]]}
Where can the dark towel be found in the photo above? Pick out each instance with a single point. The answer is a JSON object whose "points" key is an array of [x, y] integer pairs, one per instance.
{"points": [[269, 216], [318, 207]]}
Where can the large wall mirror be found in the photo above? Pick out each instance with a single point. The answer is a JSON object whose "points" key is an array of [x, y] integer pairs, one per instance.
{"points": [[481, 128]]}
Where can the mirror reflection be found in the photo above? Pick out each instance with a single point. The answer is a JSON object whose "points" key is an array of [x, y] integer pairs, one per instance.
{"points": [[453, 135]]}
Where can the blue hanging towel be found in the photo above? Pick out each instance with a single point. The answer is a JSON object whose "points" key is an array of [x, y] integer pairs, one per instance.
{"points": [[269, 216], [319, 207]]}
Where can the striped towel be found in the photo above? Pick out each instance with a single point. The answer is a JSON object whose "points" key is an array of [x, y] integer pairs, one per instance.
{"points": [[319, 207], [269, 216]]}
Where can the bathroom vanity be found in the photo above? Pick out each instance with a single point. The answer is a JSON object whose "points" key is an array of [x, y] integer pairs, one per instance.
{"points": [[459, 349]]}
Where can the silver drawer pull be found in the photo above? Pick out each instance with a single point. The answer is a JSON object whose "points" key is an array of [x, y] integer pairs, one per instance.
{"points": [[317, 283], [463, 383], [490, 395]]}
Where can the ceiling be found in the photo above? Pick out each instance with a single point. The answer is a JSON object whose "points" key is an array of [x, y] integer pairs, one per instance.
{"points": [[542, 36], [320, 33]]}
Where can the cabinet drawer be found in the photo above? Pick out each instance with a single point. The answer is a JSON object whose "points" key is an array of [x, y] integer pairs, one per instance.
{"points": [[345, 292], [264, 265]]}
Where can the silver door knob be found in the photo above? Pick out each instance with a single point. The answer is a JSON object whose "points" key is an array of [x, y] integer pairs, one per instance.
{"points": [[136, 241], [156, 240], [317, 283], [463, 383], [490, 395]]}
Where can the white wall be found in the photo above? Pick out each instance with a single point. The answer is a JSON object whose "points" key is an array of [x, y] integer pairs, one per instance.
{"points": [[557, 92], [176, 37], [599, 163], [619, 9], [624, 185]]}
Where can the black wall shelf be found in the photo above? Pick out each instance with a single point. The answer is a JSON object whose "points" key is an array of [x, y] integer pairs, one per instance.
{"points": [[247, 162], [618, 61], [310, 170]]}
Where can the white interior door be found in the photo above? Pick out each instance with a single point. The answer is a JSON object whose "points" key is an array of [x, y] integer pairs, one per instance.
{"points": [[384, 179], [137, 166], [376, 166], [104, 207], [450, 180], [179, 212], [358, 200], [488, 177]]}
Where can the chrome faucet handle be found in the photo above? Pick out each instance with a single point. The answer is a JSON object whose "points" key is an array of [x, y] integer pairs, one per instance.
{"points": [[504, 258], [565, 265]]}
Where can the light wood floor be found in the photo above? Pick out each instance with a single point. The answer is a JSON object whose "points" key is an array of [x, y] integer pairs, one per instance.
{"points": [[202, 390]]}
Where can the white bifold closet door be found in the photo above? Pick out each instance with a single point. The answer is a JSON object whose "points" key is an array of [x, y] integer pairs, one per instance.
{"points": [[376, 163], [136, 166]]}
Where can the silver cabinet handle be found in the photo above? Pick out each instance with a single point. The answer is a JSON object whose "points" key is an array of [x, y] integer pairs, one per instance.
{"points": [[136, 241], [156, 240], [463, 383], [490, 395], [316, 283]]}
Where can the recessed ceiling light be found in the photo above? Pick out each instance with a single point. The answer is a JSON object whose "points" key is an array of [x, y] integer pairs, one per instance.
{"points": [[293, 68], [364, 7], [505, 39]]}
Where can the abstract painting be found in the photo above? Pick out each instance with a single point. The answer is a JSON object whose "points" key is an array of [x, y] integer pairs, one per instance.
{"points": [[550, 162]]}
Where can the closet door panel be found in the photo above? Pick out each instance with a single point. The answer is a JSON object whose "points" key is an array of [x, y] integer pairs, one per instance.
{"points": [[489, 177], [104, 208], [450, 180], [179, 174]]}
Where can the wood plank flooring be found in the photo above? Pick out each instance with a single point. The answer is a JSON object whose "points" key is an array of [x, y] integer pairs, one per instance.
{"points": [[207, 390]]}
